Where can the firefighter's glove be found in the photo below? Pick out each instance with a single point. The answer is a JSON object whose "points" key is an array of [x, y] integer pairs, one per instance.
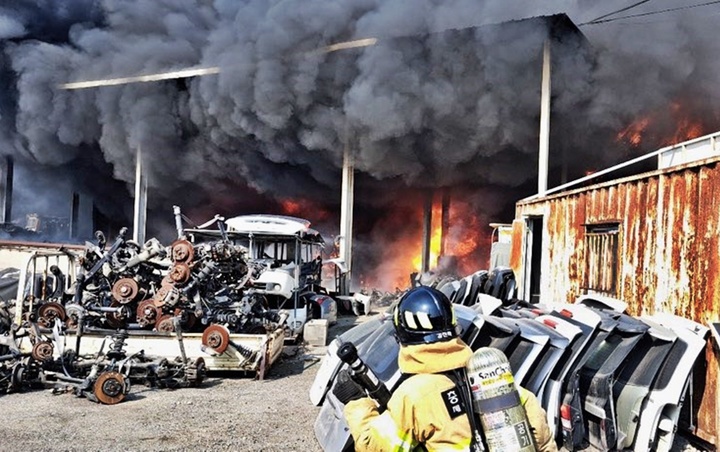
{"points": [[346, 389]]}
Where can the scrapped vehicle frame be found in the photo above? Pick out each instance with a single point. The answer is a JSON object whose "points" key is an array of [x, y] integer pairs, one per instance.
{"points": [[286, 254]]}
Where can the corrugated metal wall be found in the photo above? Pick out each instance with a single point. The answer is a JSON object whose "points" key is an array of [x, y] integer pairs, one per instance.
{"points": [[669, 250]]}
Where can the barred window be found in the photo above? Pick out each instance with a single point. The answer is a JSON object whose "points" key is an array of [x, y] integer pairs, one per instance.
{"points": [[601, 258]]}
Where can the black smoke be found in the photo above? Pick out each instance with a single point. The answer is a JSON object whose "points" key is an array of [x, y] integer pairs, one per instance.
{"points": [[448, 97]]}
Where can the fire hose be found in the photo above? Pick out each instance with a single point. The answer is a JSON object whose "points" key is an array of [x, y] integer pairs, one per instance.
{"points": [[363, 375]]}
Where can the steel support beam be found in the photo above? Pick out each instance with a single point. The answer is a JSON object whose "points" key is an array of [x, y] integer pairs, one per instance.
{"points": [[6, 185], [427, 231], [445, 221], [346, 218], [140, 208], [545, 95], [74, 215]]}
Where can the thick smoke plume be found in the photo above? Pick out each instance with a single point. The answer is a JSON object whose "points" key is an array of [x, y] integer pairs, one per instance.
{"points": [[444, 99]]}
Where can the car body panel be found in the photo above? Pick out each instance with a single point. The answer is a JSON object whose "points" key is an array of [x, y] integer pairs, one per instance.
{"points": [[661, 410]]}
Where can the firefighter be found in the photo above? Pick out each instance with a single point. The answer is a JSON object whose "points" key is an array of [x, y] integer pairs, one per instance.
{"points": [[420, 411]]}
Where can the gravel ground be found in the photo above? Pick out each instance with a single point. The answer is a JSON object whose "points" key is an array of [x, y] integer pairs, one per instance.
{"points": [[228, 412]]}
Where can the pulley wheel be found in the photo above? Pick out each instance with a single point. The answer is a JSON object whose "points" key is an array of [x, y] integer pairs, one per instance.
{"points": [[48, 312], [110, 388], [216, 337], [73, 312], [42, 351], [125, 290], [147, 313], [161, 294], [196, 372], [165, 324], [179, 273], [17, 377], [182, 251], [167, 282]]}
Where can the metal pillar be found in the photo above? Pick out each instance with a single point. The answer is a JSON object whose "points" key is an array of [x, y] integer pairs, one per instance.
{"points": [[346, 218], [74, 214], [427, 231], [6, 185], [545, 95], [140, 209], [445, 221]]}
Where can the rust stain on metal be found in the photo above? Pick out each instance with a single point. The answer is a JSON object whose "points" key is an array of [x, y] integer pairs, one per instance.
{"points": [[518, 231]]}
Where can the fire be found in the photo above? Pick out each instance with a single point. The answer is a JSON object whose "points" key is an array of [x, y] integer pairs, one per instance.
{"points": [[687, 130], [468, 239], [460, 250], [303, 208], [633, 134], [435, 241], [665, 127], [291, 207]]}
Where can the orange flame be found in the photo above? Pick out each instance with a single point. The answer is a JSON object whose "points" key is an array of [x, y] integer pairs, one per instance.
{"points": [[435, 241], [291, 207], [303, 208], [466, 247], [665, 127], [633, 134]]}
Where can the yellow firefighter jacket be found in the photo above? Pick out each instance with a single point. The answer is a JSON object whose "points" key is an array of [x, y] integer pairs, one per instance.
{"points": [[417, 413]]}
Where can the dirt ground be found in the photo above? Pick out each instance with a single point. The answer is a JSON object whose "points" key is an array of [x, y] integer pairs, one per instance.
{"points": [[228, 412]]}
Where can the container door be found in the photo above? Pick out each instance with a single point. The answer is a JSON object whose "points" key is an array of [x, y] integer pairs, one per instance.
{"points": [[533, 255]]}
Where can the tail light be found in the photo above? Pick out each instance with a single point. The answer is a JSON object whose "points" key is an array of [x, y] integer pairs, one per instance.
{"points": [[566, 416]]}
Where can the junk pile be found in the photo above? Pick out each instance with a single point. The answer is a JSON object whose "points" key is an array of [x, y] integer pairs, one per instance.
{"points": [[131, 287], [607, 380], [118, 291]]}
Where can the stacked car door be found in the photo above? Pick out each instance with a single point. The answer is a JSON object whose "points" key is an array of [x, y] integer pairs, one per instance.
{"points": [[598, 377], [661, 410], [637, 377], [571, 411], [580, 324]]}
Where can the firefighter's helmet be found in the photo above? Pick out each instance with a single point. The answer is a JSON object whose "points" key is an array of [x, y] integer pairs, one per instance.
{"points": [[423, 316]]}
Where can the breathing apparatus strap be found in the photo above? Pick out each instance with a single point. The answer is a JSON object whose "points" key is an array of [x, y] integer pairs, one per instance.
{"points": [[459, 377]]}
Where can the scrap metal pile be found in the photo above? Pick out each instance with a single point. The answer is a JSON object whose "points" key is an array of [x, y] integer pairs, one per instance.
{"points": [[119, 290], [607, 380], [146, 288], [103, 377]]}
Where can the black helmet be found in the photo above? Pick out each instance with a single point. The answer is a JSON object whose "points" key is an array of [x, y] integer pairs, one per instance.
{"points": [[423, 316]]}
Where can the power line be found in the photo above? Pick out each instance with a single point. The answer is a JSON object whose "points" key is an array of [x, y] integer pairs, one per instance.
{"points": [[616, 12], [651, 13]]}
